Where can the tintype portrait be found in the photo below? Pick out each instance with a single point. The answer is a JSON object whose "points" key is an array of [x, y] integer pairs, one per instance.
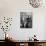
{"points": [[25, 19]]}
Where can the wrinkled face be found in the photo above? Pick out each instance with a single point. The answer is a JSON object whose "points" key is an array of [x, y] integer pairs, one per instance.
{"points": [[35, 3]]}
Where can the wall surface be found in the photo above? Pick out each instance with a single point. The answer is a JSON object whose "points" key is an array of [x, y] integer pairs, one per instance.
{"points": [[12, 8]]}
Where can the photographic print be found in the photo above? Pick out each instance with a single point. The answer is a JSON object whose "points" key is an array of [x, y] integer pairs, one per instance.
{"points": [[25, 19]]}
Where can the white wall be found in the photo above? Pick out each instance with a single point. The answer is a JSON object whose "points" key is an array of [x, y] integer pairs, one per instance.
{"points": [[12, 8]]}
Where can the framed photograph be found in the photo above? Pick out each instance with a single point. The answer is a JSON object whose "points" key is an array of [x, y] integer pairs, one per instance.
{"points": [[25, 19]]}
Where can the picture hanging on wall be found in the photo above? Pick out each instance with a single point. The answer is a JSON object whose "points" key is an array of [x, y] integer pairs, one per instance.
{"points": [[25, 19]]}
